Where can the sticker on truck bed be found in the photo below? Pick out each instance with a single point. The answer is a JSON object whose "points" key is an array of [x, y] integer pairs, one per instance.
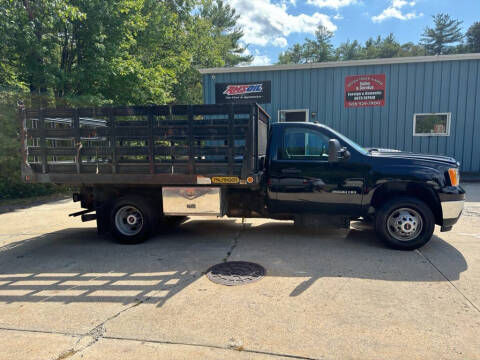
{"points": [[225, 180], [202, 180]]}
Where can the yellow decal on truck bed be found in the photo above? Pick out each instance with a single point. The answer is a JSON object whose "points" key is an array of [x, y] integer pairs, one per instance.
{"points": [[225, 180]]}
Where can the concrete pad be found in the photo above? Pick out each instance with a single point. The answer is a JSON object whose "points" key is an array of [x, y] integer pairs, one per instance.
{"points": [[324, 295], [108, 349], [72, 280], [465, 238], [20, 345], [55, 214], [327, 294]]}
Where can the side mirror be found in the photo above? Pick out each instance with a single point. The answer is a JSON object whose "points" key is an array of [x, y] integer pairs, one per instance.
{"points": [[336, 152], [262, 162], [334, 148]]}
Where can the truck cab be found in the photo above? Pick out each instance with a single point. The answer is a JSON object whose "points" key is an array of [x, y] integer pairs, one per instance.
{"points": [[312, 169]]}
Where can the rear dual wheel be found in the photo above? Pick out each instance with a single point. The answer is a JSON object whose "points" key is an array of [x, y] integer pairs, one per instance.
{"points": [[132, 220]]}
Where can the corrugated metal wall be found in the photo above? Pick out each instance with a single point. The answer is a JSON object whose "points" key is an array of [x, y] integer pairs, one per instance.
{"points": [[426, 87]]}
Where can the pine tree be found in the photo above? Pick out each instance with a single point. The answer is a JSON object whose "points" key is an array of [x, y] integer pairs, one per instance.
{"points": [[349, 51], [473, 38], [446, 31], [320, 49], [294, 55], [225, 31]]}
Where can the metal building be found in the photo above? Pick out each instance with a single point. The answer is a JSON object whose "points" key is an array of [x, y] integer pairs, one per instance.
{"points": [[425, 104]]}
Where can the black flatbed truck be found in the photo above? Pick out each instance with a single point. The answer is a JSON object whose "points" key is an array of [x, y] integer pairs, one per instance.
{"points": [[140, 166]]}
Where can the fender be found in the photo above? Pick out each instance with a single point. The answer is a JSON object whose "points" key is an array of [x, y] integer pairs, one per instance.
{"points": [[408, 180]]}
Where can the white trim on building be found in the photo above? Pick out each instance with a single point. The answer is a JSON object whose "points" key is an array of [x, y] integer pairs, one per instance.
{"points": [[332, 64]]}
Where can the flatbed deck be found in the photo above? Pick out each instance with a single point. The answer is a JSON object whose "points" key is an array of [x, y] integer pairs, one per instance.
{"points": [[176, 144]]}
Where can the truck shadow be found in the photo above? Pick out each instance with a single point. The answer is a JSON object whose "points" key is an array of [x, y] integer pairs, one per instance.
{"points": [[355, 253], [75, 265]]}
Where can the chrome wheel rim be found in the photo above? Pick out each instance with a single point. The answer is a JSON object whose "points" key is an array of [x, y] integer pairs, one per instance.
{"points": [[404, 224], [129, 220]]}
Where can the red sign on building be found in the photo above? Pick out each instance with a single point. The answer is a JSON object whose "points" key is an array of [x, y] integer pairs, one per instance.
{"points": [[365, 90]]}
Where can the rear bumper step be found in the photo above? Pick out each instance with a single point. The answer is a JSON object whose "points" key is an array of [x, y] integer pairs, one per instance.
{"points": [[83, 212]]}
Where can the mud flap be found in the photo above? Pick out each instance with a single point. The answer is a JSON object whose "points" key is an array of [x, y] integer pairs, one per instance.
{"points": [[322, 221], [103, 226]]}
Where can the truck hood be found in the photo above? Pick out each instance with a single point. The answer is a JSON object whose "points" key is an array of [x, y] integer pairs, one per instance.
{"points": [[396, 154]]}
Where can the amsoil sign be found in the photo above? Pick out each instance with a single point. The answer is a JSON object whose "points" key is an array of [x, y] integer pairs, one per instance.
{"points": [[259, 92], [365, 90]]}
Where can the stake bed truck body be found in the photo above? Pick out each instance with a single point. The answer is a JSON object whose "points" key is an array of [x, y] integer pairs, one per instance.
{"points": [[141, 166]]}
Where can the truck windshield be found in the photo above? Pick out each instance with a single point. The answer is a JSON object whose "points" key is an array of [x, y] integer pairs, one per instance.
{"points": [[350, 142]]}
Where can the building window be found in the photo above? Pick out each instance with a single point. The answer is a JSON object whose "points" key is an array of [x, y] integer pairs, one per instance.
{"points": [[293, 115], [432, 124]]}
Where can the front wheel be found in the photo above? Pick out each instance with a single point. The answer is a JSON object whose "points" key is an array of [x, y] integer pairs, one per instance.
{"points": [[405, 223], [131, 220]]}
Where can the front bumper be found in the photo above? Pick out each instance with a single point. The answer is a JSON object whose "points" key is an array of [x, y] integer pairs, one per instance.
{"points": [[452, 210], [452, 200]]}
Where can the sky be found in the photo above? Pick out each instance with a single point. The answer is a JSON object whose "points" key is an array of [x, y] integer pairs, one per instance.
{"points": [[271, 26]]}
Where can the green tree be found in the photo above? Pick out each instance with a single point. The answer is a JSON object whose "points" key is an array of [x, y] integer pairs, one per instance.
{"points": [[225, 31], [294, 55], [75, 49], [349, 51], [371, 48], [212, 40], [380, 47], [389, 47], [411, 49], [439, 39], [79, 52], [473, 38], [319, 49], [116, 51]]}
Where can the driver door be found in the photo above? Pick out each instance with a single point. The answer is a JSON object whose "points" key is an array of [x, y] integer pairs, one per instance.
{"points": [[303, 181]]}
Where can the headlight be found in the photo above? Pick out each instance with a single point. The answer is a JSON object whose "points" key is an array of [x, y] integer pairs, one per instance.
{"points": [[454, 176]]}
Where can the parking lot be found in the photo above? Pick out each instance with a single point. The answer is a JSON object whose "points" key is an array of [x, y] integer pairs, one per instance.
{"points": [[66, 293]]}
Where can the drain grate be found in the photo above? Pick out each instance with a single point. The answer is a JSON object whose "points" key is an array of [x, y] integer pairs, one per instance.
{"points": [[235, 273]]}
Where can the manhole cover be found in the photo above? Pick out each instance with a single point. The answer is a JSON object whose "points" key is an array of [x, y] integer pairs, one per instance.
{"points": [[235, 273]]}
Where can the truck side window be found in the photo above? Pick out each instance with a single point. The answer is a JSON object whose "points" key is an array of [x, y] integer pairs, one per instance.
{"points": [[304, 144]]}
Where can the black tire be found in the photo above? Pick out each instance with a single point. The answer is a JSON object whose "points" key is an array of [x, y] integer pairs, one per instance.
{"points": [[390, 234], [140, 231]]}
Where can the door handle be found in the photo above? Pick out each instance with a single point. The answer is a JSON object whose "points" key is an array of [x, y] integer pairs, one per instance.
{"points": [[291, 171]]}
